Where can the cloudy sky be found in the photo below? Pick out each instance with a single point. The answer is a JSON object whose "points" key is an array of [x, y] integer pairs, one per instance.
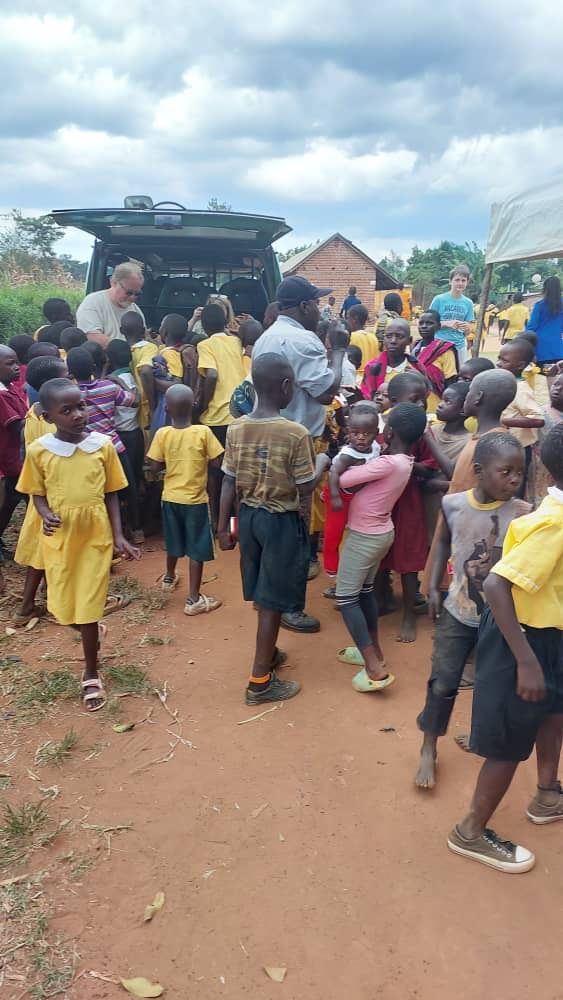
{"points": [[393, 122]]}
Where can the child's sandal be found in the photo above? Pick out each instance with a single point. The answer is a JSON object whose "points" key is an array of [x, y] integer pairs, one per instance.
{"points": [[93, 690]]}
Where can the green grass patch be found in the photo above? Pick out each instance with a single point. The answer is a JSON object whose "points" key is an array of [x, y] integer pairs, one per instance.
{"points": [[127, 678], [47, 686], [22, 822], [57, 753]]}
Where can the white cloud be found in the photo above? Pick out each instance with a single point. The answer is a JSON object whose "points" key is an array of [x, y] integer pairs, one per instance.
{"points": [[326, 172]]}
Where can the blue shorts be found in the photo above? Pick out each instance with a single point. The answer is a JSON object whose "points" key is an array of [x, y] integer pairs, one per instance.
{"points": [[274, 558]]}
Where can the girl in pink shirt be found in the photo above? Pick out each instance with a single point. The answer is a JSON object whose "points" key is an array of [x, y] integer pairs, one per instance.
{"points": [[370, 536]]}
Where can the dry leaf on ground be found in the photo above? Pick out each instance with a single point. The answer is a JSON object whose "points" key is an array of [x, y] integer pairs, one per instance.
{"points": [[123, 727], [278, 974], [140, 987], [154, 907]]}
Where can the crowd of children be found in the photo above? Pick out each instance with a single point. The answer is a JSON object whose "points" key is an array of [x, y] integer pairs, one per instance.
{"points": [[441, 470]]}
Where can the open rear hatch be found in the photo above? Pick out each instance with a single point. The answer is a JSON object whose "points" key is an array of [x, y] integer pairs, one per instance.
{"points": [[126, 225]]}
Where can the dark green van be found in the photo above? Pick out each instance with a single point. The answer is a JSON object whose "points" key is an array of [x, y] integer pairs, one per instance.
{"points": [[186, 255]]}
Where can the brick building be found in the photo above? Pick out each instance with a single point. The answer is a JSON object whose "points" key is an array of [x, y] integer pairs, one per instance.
{"points": [[337, 263]]}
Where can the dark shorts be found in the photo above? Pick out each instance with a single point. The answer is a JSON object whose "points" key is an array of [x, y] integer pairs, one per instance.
{"points": [[220, 433], [274, 558], [187, 530], [504, 727]]}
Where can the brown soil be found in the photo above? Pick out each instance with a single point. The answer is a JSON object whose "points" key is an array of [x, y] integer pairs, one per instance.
{"points": [[295, 840]]}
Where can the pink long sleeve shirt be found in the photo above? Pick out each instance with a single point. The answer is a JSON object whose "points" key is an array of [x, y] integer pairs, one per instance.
{"points": [[385, 479]]}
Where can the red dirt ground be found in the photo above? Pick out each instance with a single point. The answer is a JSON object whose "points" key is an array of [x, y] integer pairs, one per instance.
{"points": [[344, 877]]}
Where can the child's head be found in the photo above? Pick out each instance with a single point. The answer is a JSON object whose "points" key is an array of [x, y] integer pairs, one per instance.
{"points": [[405, 425], [52, 334], [396, 340], [515, 356], [40, 370], [173, 329], [21, 344], [57, 309], [42, 350], [72, 337], [551, 454], [498, 464], [450, 407], [213, 319], [381, 397], [357, 317], [80, 364], [249, 331], [517, 297], [408, 387], [490, 392], [132, 327], [473, 367], [556, 393], [459, 278], [322, 330], [530, 336], [9, 365], [179, 401], [393, 302], [271, 314], [363, 425], [273, 380], [98, 355], [354, 355], [64, 405], [118, 354], [429, 324]]}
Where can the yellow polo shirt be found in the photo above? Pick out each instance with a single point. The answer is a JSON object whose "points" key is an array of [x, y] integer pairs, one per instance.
{"points": [[222, 353], [368, 344], [532, 560], [174, 361], [186, 452], [142, 354]]}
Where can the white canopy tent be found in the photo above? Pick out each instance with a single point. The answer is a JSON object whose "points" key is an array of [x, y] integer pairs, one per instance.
{"points": [[527, 226]]}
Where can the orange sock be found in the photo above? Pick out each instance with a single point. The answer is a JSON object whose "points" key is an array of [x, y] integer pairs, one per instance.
{"points": [[260, 680]]}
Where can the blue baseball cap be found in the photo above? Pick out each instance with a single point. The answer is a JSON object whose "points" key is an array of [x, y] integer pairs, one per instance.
{"points": [[295, 290]]}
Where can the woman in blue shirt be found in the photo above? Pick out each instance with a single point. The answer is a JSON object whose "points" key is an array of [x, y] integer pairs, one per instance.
{"points": [[547, 323]]}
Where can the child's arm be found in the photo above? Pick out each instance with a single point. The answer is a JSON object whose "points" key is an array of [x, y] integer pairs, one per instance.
{"points": [[523, 421], [526, 412], [445, 463], [322, 463], [339, 465], [51, 521], [442, 550], [226, 505], [530, 683], [153, 466], [119, 541]]}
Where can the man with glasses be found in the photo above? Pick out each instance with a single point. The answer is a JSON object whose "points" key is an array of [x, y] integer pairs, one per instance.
{"points": [[101, 313]]}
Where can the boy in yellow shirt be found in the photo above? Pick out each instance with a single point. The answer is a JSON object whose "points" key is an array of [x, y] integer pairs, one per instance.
{"points": [[142, 352], [185, 452], [518, 698], [366, 340]]}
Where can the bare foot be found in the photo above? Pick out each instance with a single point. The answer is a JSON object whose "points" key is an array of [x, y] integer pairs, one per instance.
{"points": [[463, 742], [408, 629], [426, 775]]}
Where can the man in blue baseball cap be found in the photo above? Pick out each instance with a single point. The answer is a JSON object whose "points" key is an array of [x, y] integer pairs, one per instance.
{"points": [[317, 380]]}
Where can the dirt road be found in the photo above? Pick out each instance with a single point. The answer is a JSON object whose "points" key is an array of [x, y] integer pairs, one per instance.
{"points": [[297, 840]]}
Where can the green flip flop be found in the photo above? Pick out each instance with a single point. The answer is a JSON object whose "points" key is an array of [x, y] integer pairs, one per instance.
{"points": [[352, 656], [362, 682]]}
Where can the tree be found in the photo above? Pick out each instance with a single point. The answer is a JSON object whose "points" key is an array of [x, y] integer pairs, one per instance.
{"points": [[394, 265], [284, 256], [76, 268], [214, 205], [30, 236]]}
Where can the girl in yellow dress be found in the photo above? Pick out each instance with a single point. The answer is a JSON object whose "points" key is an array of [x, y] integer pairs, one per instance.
{"points": [[73, 477], [28, 550]]}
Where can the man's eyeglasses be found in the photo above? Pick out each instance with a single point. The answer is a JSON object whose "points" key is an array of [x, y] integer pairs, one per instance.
{"points": [[130, 293]]}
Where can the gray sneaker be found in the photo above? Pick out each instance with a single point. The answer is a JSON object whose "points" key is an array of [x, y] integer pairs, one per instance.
{"points": [[298, 621], [276, 690], [540, 813], [490, 850]]}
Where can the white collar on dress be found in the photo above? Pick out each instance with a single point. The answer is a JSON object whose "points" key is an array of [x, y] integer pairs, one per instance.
{"points": [[556, 493], [65, 449]]}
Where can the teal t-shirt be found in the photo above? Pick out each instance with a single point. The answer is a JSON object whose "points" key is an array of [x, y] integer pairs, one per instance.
{"points": [[450, 308]]}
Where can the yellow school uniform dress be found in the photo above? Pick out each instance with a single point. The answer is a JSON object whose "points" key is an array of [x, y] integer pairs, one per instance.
{"points": [[74, 479], [142, 354], [223, 353], [368, 344], [517, 316], [28, 550], [247, 362], [532, 560], [447, 365]]}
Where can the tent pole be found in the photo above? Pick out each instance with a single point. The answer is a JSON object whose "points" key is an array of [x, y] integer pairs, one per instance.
{"points": [[487, 278]]}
